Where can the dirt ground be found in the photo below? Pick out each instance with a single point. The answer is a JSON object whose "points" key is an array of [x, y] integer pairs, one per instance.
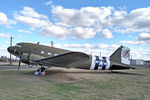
{"points": [[75, 84]]}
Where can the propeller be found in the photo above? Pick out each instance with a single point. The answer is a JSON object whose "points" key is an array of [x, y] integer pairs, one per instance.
{"points": [[19, 64], [20, 56], [19, 60]]}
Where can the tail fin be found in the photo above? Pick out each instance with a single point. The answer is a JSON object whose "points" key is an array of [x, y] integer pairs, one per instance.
{"points": [[121, 55]]}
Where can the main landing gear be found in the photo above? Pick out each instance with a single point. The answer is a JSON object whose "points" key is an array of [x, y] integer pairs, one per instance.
{"points": [[41, 71]]}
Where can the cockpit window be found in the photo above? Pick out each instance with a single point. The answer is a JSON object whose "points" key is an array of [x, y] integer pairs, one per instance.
{"points": [[18, 45]]}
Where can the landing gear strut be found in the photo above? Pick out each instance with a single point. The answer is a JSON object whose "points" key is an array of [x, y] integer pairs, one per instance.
{"points": [[41, 71]]}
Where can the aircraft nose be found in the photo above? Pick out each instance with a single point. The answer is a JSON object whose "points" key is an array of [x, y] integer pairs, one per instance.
{"points": [[9, 49]]}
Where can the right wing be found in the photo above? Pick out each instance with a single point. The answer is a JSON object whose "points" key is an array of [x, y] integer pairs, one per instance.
{"points": [[63, 60]]}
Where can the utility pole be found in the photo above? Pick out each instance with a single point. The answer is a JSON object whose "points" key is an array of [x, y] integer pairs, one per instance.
{"points": [[52, 43], [10, 45]]}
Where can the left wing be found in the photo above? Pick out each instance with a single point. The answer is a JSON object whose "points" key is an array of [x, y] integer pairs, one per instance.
{"points": [[63, 60]]}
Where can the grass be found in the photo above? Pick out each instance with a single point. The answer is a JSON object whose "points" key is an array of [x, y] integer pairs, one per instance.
{"points": [[102, 85]]}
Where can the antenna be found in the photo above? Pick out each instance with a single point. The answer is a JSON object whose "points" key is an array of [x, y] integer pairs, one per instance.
{"points": [[52, 43]]}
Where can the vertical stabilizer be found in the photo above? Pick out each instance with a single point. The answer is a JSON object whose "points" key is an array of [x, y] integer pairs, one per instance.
{"points": [[125, 55], [121, 55]]}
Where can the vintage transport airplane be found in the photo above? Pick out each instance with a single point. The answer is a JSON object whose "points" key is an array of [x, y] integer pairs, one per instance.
{"points": [[45, 56]]}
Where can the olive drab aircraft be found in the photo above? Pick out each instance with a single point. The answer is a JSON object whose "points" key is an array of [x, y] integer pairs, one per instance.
{"points": [[46, 57]]}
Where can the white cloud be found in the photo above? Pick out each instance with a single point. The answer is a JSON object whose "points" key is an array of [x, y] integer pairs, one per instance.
{"points": [[82, 33], [104, 49], [90, 46], [135, 21], [24, 31], [84, 17], [106, 33], [5, 21], [3, 18], [86, 46], [86, 22], [142, 39], [82, 24], [140, 54], [4, 35], [4, 52], [49, 3], [30, 17], [54, 31]]}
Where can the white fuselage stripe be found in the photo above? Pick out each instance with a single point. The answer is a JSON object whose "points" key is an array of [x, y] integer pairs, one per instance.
{"points": [[108, 63], [93, 62]]}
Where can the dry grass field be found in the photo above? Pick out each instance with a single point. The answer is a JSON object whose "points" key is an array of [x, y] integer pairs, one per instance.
{"points": [[75, 84]]}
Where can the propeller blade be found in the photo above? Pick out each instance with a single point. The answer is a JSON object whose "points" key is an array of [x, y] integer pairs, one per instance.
{"points": [[19, 60], [19, 65], [28, 57]]}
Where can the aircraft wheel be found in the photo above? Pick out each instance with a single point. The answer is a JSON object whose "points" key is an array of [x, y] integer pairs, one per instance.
{"points": [[43, 73], [36, 73]]}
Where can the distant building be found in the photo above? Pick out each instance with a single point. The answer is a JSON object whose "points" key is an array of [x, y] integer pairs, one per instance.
{"points": [[147, 63], [137, 62]]}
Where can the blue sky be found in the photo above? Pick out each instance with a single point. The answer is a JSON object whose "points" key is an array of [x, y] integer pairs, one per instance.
{"points": [[83, 25]]}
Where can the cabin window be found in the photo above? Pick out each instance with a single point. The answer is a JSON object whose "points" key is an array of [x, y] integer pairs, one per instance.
{"points": [[18, 46], [42, 52], [49, 53], [55, 54]]}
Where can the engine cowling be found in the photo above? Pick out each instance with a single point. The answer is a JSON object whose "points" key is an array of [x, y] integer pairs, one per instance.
{"points": [[25, 57], [29, 58], [100, 63]]}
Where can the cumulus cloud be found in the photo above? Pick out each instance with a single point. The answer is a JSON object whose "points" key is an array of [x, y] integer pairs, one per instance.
{"points": [[86, 22], [32, 18], [48, 3], [3, 18], [4, 35], [54, 30], [5, 21], [104, 49], [86, 16], [140, 53], [90, 46], [4, 52], [135, 21], [24, 31], [142, 39], [106, 33], [82, 33]]}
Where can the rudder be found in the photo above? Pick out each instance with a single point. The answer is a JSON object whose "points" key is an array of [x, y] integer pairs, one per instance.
{"points": [[121, 55]]}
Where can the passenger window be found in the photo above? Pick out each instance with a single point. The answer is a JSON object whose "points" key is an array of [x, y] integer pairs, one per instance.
{"points": [[42, 52], [49, 53], [55, 54]]}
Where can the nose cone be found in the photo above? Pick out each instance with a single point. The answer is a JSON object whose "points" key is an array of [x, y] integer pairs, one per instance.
{"points": [[9, 49], [14, 50]]}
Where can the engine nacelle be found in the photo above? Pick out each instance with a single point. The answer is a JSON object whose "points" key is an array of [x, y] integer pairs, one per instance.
{"points": [[25, 57], [29, 58], [100, 63]]}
